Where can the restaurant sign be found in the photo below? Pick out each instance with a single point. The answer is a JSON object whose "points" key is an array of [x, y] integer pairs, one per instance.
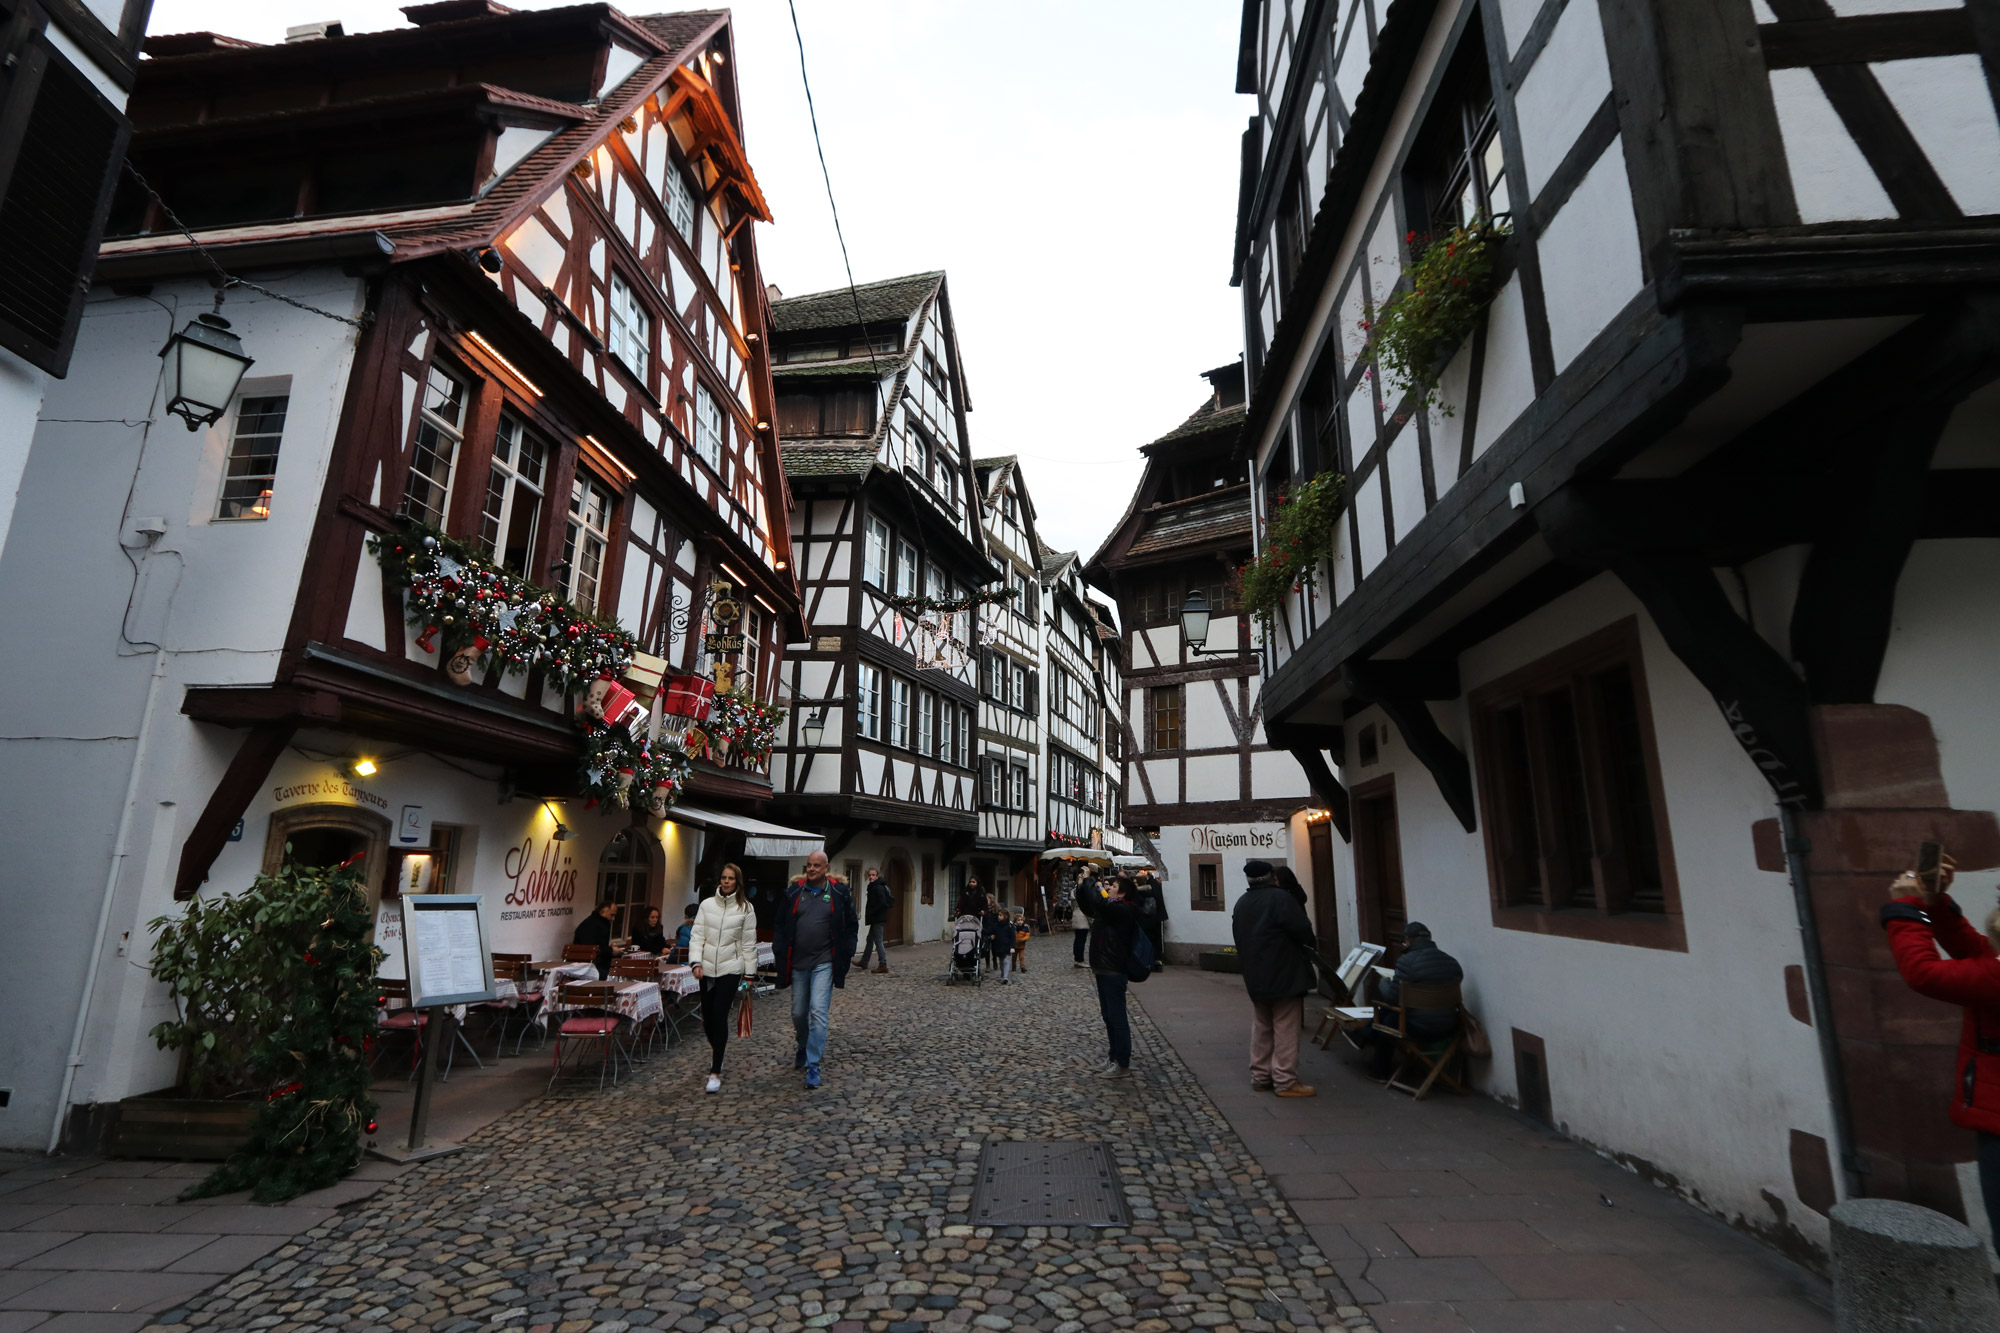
{"points": [[544, 886], [1206, 838]]}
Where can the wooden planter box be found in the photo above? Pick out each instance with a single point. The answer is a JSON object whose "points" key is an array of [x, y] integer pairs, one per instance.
{"points": [[181, 1128], [1220, 962]]}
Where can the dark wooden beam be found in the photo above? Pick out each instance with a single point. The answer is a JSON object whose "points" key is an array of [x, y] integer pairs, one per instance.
{"points": [[1762, 700], [1307, 743], [226, 804], [243, 705], [1866, 38], [1413, 678]]}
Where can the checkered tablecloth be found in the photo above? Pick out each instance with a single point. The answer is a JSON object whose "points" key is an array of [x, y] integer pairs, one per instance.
{"points": [[680, 979]]}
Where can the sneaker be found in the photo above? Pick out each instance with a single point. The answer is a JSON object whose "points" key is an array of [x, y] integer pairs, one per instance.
{"points": [[1261, 1087], [714, 1083], [1298, 1090], [1079, 964], [812, 1076], [1115, 1072], [799, 1060]]}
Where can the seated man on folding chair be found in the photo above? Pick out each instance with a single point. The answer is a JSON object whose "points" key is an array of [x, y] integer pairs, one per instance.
{"points": [[1424, 964]]}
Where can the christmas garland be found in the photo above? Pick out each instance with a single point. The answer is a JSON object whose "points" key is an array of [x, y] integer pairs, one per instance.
{"points": [[747, 726], [916, 606], [620, 767], [487, 616]]}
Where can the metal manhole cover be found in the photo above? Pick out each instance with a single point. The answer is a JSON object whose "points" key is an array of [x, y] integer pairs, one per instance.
{"points": [[1047, 1184]]}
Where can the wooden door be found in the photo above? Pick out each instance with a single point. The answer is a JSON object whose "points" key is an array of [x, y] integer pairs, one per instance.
{"points": [[1378, 864], [1326, 911], [896, 873]]}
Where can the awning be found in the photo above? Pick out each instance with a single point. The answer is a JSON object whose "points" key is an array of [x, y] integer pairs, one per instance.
{"points": [[1095, 856], [760, 839]]}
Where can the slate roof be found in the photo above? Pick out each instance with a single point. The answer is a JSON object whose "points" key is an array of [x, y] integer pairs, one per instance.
{"points": [[891, 298], [998, 460], [1052, 560], [827, 458], [883, 365], [1202, 521]]}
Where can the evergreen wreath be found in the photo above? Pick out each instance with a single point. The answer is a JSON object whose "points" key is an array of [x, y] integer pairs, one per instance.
{"points": [[1296, 538], [276, 991], [1447, 286]]}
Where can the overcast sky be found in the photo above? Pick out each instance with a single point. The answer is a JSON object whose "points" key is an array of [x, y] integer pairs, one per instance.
{"points": [[1072, 166]]}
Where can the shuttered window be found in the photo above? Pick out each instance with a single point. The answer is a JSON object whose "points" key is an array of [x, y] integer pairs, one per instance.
{"points": [[61, 145]]}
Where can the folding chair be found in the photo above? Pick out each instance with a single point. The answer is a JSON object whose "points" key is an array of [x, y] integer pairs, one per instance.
{"points": [[587, 1013], [1342, 988], [1432, 1057]]}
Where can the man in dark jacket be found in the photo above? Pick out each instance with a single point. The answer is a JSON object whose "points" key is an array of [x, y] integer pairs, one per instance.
{"points": [[1113, 917], [596, 929], [813, 941], [1274, 941], [1426, 965], [875, 910]]}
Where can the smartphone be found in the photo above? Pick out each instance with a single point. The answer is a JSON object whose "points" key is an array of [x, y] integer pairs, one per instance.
{"points": [[1930, 864]]}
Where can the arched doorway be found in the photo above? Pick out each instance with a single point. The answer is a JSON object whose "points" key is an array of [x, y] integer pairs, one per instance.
{"points": [[332, 835], [623, 878]]}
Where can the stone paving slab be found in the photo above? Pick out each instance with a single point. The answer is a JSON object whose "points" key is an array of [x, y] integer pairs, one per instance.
{"points": [[769, 1209]]}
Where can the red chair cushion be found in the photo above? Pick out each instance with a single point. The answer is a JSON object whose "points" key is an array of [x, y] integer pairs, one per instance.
{"points": [[588, 1027]]}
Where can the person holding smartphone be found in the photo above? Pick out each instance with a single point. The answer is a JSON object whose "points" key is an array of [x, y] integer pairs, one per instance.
{"points": [[1922, 919]]}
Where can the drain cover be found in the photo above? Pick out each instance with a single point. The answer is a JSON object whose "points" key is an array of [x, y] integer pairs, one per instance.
{"points": [[1047, 1184]]}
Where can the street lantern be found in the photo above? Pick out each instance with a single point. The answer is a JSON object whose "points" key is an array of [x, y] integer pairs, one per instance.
{"points": [[1194, 620], [815, 728], [205, 362]]}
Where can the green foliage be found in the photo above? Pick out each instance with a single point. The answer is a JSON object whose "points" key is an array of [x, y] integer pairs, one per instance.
{"points": [[276, 989], [1296, 539], [1448, 286]]}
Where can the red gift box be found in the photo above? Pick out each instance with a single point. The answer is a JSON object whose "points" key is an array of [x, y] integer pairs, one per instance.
{"points": [[689, 696]]}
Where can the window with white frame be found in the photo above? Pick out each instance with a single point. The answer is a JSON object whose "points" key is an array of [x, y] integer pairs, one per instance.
{"points": [[753, 647], [440, 428], [707, 427], [899, 712], [252, 469], [926, 712], [906, 569], [587, 537], [868, 701], [1020, 699], [875, 554], [947, 716], [631, 331], [1020, 786], [680, 202], [511, 520], [936, 585], [967, 727], [996, 780]]}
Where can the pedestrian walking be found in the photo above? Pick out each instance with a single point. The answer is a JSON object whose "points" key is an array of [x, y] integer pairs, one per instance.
{"points": [[875, 908], [1079, 923], [1023, 932], [1114, 918], [814, 944], [1152, 904], [998, 934], [1274, 941], [722, 946]]}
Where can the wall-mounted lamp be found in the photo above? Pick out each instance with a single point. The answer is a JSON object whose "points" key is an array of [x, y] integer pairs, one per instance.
{"points": [[562, 833], [814, 729], [364, 768], [1194, 627]]}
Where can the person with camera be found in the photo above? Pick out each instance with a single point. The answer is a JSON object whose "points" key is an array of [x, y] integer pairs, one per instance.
{"points": [[1114, 920], [1920, 921]]}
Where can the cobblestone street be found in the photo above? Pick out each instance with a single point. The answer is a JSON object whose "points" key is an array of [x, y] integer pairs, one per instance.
{"points": [[770, 1208]]}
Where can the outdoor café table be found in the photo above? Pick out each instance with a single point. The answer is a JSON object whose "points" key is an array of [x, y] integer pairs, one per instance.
{"points": [[680, 979], [635, 1000], [767, 955]]}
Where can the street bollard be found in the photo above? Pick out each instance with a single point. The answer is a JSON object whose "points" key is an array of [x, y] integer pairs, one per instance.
{"points": [[1899, 1268]]}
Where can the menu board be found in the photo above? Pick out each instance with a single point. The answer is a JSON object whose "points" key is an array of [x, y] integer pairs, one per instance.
{"points": [[444, 949]]}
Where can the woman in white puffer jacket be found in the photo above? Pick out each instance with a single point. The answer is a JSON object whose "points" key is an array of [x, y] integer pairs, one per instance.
{"points": [[723, 950]]}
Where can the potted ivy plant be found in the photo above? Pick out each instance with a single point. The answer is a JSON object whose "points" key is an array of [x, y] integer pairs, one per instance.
{"points": [[1297, 536], [275, 994]]}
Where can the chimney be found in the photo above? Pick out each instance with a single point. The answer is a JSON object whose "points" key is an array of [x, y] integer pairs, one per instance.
{"points": [[312, 32], [771, 292]]}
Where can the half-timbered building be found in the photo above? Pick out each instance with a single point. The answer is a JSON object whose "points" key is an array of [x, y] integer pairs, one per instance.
{"points": [[1204, 792], [505, 298], [1641, 642], [881, 747], [1011, 790]]}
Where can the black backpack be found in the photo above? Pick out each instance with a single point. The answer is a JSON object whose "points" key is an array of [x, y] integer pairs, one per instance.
{"points": [[1139, 957]]}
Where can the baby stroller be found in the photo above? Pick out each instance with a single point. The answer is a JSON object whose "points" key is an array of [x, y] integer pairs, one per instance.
{"points": [[968, 951]]}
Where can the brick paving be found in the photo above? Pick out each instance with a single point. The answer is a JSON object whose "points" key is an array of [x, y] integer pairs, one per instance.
{"points": [[1456, 1215], [771, 1208]]}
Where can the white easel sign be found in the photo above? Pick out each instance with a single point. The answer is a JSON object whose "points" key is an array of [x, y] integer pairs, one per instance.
{"points": [[444, 949]]}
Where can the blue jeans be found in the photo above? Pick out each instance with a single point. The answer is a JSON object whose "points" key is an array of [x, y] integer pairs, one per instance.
{"points": [[1082, 942], [874, 946], [1111, 1003], [812, 996]]}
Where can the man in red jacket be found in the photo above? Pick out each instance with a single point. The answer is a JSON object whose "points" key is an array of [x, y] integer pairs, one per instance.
{"points": [[1919, 924]]}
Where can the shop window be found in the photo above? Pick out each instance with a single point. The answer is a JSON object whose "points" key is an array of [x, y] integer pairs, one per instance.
{"points": [[1205, 883], [511, 520], [1572, 808], [252, 470], [622, 880], [434, 454]]}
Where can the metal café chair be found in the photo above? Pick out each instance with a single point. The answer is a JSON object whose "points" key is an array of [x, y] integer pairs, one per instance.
{"points": [[647, 1030], [500, 1013], [416, 1023], [587, 1012]]}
